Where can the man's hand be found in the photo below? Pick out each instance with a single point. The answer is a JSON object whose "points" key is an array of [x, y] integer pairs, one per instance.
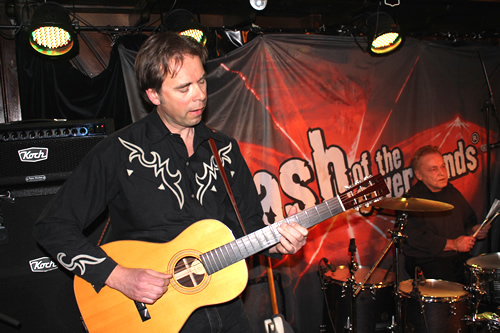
{"points": [[294, 237], [483, 233], [460, 244], [142, 285]]}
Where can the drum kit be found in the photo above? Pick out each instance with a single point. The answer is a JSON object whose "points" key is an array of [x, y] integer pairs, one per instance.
{"points": [[372, 299]]}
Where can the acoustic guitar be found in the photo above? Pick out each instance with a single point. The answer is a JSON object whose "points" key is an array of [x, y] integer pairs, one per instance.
{"points": [[207, 264]]}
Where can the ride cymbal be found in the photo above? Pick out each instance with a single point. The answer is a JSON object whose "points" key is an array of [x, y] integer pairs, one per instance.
{"points": [[413, 204]]}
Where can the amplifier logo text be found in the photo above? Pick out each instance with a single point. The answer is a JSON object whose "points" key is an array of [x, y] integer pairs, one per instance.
{"points": [[43, 264], [33, 154]]}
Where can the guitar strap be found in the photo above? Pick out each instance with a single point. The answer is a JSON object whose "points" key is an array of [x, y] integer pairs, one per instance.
{"points": [[270, 276], [215, 152], [104, 231]]}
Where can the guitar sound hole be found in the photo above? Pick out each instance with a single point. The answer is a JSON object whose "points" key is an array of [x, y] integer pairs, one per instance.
{"points": [[189, 272]]}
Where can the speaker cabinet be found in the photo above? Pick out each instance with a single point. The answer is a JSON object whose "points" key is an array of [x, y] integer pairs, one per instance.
{"points": [[35, 158], [32, 293]]}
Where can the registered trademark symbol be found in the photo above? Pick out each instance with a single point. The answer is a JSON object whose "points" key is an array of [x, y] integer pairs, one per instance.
{"points": [[474, 138]]}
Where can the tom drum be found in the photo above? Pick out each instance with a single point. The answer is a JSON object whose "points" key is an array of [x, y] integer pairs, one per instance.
{"points": [[484, 277], [374, 303], [444, 303]]}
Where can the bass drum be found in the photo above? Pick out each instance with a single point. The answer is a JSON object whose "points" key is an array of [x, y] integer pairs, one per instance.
{"points": [[375, 304], [445, 307], [484, 277]]}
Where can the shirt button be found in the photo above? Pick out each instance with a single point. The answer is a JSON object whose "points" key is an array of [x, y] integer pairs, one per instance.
{"points": [[187, 163], [192, 196]]}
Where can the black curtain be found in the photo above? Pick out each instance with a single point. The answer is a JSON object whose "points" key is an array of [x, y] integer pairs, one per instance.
{"points": [[54, 89]]}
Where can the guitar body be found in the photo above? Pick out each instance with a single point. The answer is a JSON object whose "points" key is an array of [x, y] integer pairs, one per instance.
{"points": [[221, 277], [190, 288]]}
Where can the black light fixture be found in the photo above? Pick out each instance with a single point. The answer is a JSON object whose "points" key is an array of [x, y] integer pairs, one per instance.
{"points": [[384, 35], [50, 31], [184, 23]]}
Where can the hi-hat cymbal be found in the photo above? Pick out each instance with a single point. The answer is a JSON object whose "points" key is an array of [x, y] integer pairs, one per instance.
{"points": [[413, 204]]}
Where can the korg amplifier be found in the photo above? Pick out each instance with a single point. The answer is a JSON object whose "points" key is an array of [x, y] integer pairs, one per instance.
{"points": [[44, 152]]}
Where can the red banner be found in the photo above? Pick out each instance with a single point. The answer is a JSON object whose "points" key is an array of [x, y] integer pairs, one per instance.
{"points": [[315, 114]]}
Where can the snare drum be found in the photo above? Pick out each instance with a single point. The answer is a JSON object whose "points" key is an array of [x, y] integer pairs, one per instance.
{"points": [[484, 276], [444, 304], [374, 303]]}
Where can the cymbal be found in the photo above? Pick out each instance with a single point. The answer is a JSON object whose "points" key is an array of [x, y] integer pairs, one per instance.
{"points": [[413, 204]]}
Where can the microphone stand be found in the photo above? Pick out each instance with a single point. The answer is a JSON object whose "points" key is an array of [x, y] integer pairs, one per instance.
{"points": [[490, 102], [353, 267], [415, 292]]}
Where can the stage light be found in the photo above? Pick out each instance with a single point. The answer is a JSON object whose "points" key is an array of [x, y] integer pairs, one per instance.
{"points": [[183, 22], [50, 30], [384, 35], [258, 4]]}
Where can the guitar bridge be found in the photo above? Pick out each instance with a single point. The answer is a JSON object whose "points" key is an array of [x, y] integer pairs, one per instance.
{"points": [[143, 311]]}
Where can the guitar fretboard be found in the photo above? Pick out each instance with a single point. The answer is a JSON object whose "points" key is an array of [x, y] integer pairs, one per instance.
{"points": [[241, 248]]}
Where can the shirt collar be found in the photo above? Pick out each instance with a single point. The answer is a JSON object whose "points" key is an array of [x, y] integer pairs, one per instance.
{"points": [[157, 131]]}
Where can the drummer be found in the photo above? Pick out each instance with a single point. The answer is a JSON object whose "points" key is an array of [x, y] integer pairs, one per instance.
{"points": [[438, 242]]}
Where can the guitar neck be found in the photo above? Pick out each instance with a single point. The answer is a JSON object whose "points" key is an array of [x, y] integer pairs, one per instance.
{"points": [[362, 193], [264, 238]]}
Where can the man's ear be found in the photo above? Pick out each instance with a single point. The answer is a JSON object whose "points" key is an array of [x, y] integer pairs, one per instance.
{"points": [[418, 174], [153, 96]]}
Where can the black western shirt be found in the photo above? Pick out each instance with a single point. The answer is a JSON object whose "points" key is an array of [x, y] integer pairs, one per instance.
{"points": [[153, 191]]}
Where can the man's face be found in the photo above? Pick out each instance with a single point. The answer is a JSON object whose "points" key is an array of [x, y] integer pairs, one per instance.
{"points": [[432, 171], [182, 98]]}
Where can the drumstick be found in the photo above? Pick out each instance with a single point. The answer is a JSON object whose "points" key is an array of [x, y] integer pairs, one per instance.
{"points": [[485, 223]]}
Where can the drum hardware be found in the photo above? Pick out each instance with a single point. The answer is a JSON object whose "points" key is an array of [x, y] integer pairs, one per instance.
{"points": [[415, 293], [445, 304], [374, 304], [351, 282], [490, 320], [403, 205], [484, 275]]}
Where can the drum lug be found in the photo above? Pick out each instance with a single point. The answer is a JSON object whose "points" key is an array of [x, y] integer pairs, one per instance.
{"points": [[343, 291], [453, 309], [373, 293]]}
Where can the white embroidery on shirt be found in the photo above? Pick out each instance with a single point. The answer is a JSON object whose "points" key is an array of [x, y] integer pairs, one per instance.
{"points": [[79, 261], [159, 167], [210, 173]]}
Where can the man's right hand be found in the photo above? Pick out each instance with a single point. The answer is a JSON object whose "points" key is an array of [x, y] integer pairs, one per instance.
{"points": [[142, 285], [464, 243]]}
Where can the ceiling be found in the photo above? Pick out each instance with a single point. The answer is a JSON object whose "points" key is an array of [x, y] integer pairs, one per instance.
{"points": [[471, 18]]}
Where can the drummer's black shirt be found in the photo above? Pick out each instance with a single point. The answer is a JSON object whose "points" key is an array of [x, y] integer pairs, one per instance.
{"points": [[427, 232]]}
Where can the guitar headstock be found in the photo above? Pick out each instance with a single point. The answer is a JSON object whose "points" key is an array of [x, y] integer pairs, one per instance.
{"points": [[365, 192]]}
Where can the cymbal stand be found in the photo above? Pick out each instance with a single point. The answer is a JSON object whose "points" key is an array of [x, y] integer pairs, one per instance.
{"points": [[476, 294], [396, 236]]}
